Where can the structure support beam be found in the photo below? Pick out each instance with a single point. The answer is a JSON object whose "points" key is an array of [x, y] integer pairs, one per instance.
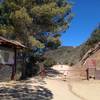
{"points": [[14, 66]]}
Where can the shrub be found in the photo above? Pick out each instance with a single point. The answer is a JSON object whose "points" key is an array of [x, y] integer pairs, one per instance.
{"points": [[49, 62]]}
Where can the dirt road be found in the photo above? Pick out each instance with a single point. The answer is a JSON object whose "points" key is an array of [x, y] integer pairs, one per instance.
{"points": [[50, 89], [62, 90], [74, 90]]}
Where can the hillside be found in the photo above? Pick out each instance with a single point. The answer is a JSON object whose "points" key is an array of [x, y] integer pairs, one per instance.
{"points": [[72, 55], [65, 55]]}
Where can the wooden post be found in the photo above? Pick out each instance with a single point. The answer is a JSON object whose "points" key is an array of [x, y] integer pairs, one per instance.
{"points": [[42, 71], [95, 74], [14, 67], [87, 73]]}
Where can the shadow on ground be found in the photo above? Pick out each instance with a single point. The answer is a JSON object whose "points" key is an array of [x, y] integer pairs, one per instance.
{"points": [[52, 73], [24, 92]]}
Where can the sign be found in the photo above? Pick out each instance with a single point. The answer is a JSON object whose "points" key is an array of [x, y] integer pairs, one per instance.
{"points": [[6, 56], [90, 63]]}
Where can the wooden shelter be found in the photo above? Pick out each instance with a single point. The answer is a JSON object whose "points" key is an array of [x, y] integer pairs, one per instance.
{"points": [[13, 46]]}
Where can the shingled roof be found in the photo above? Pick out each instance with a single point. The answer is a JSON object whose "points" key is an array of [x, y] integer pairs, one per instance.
{"points": [[16, 44]]}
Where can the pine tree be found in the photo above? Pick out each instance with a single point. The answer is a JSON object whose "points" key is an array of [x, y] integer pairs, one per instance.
{"points": [[36, 23], [27, 17]]}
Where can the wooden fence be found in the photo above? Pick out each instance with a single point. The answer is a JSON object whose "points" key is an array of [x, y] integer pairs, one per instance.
{"points": [[71, 73]]}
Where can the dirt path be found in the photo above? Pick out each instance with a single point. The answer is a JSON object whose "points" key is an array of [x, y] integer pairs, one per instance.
{"points": [[74, 90], [32, 89], [62, 90], [50, 89], [70, 87]]}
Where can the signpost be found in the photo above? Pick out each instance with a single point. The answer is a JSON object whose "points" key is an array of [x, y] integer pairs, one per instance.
{"points": [[6, 56], [8, 52]]}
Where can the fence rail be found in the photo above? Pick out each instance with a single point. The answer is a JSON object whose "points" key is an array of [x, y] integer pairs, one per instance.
{"points": [[71, 73]]}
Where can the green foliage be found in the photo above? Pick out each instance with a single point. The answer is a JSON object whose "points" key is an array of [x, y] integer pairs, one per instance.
{"points": [[46, 12], [28, 21], [7, 31], [53, 42], [21, 18], [49, 62], [91, 42], [65, 55], [22, 23], [29, 16], [36, 43], [95, 38]]}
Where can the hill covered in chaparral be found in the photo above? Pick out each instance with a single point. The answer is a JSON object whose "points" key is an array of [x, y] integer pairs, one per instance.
{"points": [[65, 55], [73, 55]]}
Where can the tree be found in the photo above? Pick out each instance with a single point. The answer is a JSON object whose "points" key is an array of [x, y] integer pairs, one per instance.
{"points": [[91, 42], [94, 38], [36, 23], [35, 16]]}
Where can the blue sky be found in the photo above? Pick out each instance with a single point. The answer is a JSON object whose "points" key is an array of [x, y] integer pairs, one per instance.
{"points": [[86, 19]]}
